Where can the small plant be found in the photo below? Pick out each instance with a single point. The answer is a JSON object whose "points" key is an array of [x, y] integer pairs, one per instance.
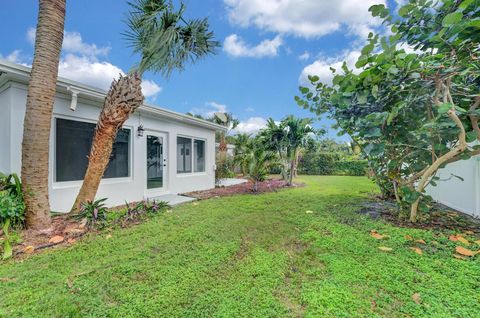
{"points": [[144, 207], [93, 213], [12, 206]]}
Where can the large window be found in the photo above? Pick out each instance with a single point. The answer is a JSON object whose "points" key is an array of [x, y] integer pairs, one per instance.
{"points": [[185, 158], [73, 143]]}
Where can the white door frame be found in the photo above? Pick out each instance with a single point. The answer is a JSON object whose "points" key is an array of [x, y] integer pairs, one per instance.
{"points": [[164, 189]]}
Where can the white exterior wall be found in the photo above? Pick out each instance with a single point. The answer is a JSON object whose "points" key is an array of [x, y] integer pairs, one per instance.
{"points": [[5, 106], [460, 195], [117, 190]]}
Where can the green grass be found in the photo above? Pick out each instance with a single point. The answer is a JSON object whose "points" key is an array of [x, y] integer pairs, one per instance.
{"points": [[249, 256]]}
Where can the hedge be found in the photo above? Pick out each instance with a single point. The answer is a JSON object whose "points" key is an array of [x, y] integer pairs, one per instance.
{"points": [[331, 164]]}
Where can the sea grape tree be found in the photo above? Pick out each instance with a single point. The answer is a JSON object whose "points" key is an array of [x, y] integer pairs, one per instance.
{"points": [[412, 103]]}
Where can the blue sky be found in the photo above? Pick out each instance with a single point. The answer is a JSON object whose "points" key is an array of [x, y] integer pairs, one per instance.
{"points": [[268, 47]]}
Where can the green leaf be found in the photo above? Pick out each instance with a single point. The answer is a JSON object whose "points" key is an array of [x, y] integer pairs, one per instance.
{"points": [[452, 18], [444, 108], [471, 136], [375, 91], [304, 90], [367, 49], [7, 249]]}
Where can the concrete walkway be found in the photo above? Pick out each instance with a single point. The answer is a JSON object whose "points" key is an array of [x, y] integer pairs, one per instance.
{"points": [[230, 182], [173, 199]]}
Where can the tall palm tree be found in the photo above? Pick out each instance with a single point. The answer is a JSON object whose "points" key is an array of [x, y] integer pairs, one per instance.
{"points": [[38, 114], [297, 131], [227, 120], [274, 139], [165, 41]]}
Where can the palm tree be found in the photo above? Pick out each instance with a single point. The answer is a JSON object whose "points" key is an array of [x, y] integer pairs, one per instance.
{"points": [[274, 139], [243, 145], [165, 41], [227, 120], [38, 114], [297, 131], [259, 162]]}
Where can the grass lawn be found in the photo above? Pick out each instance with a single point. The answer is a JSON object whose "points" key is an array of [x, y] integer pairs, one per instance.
{"points": [[249, 256]]}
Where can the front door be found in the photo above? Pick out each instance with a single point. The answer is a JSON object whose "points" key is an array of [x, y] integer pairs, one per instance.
{"points": [[156, 163]]}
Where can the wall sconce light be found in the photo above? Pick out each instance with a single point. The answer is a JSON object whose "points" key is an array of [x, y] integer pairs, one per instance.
{"points": [[140, 131]]}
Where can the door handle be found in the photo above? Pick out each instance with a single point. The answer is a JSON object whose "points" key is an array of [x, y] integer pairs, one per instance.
{"points": [[164, 165]]}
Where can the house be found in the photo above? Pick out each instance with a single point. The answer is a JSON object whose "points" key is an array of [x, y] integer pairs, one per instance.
{"points": [[459, 186], [157, 151]]}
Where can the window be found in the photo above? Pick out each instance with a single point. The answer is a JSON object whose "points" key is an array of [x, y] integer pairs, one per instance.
{"points": [[184, 155], [73, 142], [199, 162], [185, 158]]}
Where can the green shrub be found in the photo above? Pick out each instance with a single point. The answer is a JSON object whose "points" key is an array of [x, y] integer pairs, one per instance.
{"points": [[351, 167], [326, 163], [225, 166], [12, 206], [93, 213]]}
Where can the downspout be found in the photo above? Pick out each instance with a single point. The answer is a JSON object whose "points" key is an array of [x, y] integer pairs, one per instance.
{"points": [[73, 102]]}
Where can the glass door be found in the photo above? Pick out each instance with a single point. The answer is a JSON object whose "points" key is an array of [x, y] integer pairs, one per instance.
{"points": [[156, 162]]}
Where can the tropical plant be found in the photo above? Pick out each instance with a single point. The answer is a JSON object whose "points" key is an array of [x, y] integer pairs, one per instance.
{"points": [[243, 145], [260, 161], [38, 114], [411, 112], [273, 137], [135, 211], [165, 41], [93, 213], [297, 132], [12, 206], [230, 123]]}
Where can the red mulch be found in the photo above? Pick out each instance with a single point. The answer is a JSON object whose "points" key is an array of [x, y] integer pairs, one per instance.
{"points": [[66, 231], [270, 185]]}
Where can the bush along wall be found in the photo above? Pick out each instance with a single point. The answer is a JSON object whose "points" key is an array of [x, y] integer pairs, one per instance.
{"points": [[331, 164]]}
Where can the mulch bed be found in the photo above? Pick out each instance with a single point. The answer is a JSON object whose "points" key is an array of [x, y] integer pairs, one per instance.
{"points": [[270, 185], [440, 218]]}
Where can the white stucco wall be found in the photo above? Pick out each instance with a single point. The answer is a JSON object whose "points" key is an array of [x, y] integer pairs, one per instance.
{"points": [[461, 195], [5, 105], [118, 190]]}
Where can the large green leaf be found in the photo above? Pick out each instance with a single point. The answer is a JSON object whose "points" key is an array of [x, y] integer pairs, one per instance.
{"points": [[452, 18]]}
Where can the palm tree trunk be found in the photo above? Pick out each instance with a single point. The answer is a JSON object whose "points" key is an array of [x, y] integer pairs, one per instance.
{"points": [[123, 98], [292, 167], [38, 114]]}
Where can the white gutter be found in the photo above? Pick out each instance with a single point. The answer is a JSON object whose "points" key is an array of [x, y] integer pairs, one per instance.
{"points": [[21, 73]]}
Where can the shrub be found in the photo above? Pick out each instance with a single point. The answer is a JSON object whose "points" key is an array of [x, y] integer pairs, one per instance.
{"points": [[351, 167], [225, 166], [12, 206], [93, 213], [142, 208], [325, 163]]}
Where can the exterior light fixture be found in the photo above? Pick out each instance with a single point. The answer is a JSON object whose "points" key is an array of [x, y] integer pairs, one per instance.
{"points": [[140, 129]]}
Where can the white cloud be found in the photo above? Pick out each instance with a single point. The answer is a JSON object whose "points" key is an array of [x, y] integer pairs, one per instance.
{"points": [[236, 47], [150, 88], [73, 43], [321, 67], [13, 57], [251, 125], [305, 56], [250, 109], [84, 70], [306, 18], [80, 62], [209, 109]]}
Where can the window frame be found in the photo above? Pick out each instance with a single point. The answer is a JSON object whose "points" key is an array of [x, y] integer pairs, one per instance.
{"points": [[192, 145], [75, 183]]}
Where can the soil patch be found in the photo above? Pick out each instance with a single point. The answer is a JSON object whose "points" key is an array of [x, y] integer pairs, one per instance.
{"points": [[270, 185], [440, 218]]}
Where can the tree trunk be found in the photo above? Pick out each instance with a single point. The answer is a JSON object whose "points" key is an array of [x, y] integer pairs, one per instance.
{"points": [[123, 98], [38, 114], [292, 168]]}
